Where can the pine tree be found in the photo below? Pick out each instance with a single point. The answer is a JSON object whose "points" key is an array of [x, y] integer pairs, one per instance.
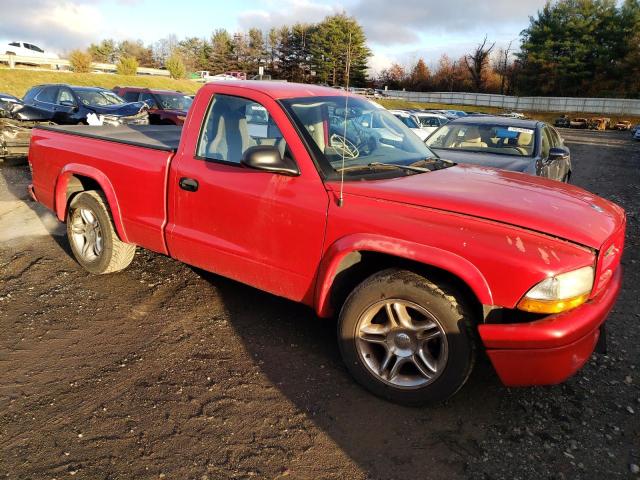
{"points": [[338, 45]]}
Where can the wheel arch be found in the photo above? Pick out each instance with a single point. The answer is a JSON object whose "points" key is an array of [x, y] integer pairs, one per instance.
{"points": [[76, 178], [353, 258]]}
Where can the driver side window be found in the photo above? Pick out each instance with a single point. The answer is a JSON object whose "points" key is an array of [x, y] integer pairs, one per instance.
{"points": [[235, 124], [65, 96]]}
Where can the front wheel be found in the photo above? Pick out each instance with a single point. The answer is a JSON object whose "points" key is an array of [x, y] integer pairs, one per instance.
{"points": [[407, 339], [92, 235]]}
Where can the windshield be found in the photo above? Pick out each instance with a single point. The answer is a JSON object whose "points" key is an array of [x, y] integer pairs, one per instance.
{"points": [[99, 98], [174, 101], [369, 135], [408, 121], [427, 121], [500, 139]]}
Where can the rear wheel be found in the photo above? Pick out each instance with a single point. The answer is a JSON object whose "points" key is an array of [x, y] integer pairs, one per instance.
{"points": [[407, 339], [92, 235]]}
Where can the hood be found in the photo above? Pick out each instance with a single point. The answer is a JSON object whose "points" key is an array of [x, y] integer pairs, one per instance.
{"points": [[534, 203], [124, 110], [506, 162]]}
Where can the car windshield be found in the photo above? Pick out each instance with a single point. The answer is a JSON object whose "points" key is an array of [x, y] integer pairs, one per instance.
{"points": [[364, 133], [99, 98], [427, 121], [408, 121], [499, 139], [174, 101]]}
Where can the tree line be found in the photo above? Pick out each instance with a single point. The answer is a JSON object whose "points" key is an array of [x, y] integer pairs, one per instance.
{"points": [[304, 52], [569, 48]]}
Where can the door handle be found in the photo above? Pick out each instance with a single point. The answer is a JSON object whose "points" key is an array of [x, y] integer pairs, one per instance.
{"points": [[188, 184]]}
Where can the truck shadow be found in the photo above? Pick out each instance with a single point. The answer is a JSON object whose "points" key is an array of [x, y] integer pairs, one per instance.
{"points": [[298, 353]]}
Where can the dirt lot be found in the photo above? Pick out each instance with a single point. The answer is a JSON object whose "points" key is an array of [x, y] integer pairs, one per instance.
{"points": [[165, 371]]}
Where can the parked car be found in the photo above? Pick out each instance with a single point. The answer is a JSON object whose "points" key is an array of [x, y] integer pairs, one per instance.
{"points": [[636, 135], [430, 122], [599, 123], [517, 115], [527, 146], [449, 114], [579, 122], [423, 261], [457, 113], [562, 122], [16, 121], [24, 49], [411, 121], [70, 105], [622, 125], [166, 107], [635, 128]]}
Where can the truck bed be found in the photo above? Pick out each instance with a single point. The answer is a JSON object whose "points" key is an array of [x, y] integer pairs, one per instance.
{"points": [[157, 137]]}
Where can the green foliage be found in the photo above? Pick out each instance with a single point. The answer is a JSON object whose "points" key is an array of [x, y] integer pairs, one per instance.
{"points": [[581, 48], [221, 59], [338, 47], [80, 61], [127, 66], [176, 67], [104, 52]]}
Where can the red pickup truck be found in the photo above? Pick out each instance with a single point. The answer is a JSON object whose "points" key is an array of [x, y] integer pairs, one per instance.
{"points": [[327, 199]]}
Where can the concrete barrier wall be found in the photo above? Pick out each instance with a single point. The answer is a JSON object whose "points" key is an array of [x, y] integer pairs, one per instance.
{"points": [[616, 106]]}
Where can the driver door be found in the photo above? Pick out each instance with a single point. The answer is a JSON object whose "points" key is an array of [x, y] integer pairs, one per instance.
{"points": [[65, 107], [261, 228]]}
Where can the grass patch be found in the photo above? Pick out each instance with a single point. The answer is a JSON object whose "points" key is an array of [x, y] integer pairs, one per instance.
{"points": [[18, 81]]}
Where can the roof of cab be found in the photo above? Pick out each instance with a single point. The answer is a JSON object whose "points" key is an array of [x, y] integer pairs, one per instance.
{"points": [[279, 90]]}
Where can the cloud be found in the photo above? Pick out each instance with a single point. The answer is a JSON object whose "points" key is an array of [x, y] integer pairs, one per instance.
{"points": [[286, 12], [52, 24], [388, 23]]}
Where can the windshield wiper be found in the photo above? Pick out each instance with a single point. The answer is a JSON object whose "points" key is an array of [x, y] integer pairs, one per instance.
{"points": [[380, 165], [431, 161]]}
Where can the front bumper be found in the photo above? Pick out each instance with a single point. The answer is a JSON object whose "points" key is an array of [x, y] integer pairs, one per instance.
{"points": [[550, 350]]}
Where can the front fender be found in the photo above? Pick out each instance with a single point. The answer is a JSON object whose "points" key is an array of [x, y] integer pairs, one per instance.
{"points": [[61, 205], [425, 254]]}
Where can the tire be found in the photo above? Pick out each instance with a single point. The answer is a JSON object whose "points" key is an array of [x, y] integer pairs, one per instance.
{"points": [[92, 235], [436, 353]]}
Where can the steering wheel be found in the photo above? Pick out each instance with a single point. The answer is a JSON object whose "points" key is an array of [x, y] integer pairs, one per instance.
{"points": [[345, 146]]}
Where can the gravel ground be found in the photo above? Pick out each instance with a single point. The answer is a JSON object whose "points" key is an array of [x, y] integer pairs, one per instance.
{"points": [[165, 371]]}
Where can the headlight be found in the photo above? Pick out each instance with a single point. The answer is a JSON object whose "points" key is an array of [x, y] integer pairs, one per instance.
{"points": [[560, 293]]}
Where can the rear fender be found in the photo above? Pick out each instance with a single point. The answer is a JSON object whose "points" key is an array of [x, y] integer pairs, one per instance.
{"points": [[431, 256], [61, 204]]}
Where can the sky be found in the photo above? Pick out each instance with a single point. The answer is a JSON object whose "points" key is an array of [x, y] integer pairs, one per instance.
{"points": [[400, 31]]}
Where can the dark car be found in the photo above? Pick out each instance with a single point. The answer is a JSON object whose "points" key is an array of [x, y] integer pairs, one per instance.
{"points": [[166, 107], [527, 146], [562, 122], [72, 105]]}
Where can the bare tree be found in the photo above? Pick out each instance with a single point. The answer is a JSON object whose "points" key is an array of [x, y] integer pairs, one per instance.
{"points": [[477, 62], [502, 67]]}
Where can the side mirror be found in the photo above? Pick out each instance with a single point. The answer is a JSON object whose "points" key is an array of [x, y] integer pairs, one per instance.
{"points": [[558, 153], [268, 158]]}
